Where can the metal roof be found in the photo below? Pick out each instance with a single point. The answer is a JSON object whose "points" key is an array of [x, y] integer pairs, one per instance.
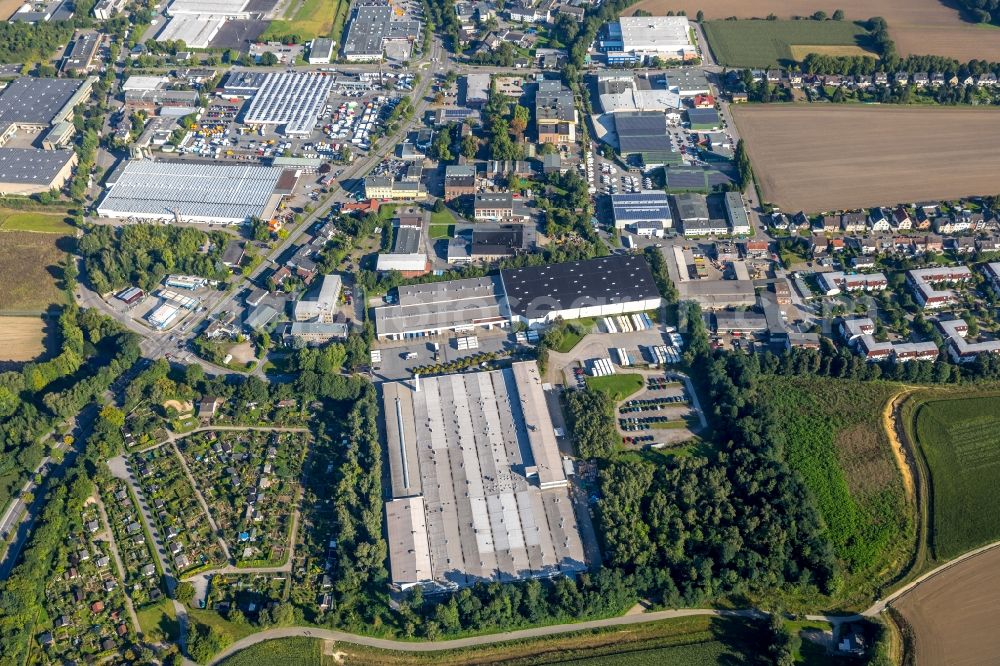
{"points": [[155, 189], [34, 101], [641, 206], [292, 99], [32, 166], [536, 290]]}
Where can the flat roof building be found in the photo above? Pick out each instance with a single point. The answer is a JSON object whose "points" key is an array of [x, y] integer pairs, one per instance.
{"points": [[292, 100], [736, 210], [27, 171], [371, 26], [209, 193], [322, 307], [477, 90], [81, 54], [34, 102], [478, 487], [615, 284], [632, 209], [667, 37], [643, 134], [320, 51], [439, 307]]}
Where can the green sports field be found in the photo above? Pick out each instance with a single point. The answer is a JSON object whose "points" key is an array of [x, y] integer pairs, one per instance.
{"points": [[759, 43], [960, 441]]}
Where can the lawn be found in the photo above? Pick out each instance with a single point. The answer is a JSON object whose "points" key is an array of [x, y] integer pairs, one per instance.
{"points": [[29, 271], [617, 387], [297, 651], [158, 622], [437, 231], [756, 43], [960, 441], [49, 223], [832, 435], [309, 19]]}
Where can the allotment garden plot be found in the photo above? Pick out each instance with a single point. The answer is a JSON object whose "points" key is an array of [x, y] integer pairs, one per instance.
{"points": [[85, 618], [183, 524], [251, 483], [142, 575]]}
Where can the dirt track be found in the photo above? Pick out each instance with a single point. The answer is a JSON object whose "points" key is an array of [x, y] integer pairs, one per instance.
{"points": [[869, 155], [920, 27], [954, 615]]}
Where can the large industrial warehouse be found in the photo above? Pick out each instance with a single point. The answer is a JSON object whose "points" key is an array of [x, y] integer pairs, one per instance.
{"points": [[441, 307], [293, 100], [599, 287], [208, 193], [478, 488]]}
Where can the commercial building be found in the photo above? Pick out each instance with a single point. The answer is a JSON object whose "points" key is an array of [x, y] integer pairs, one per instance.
{"points": [[699, 227], [320, 51], [459, 180], [631, 210], [691, 208], [292, 100], [197, 22], [490, 243], [30, 103], [611, 285], [736, 210], [80, 57], [317, 332], [477, 90], [26, 171], [498, 207], [478, 487], [324, 305], [408, 186], [371, 27], [555, 113], [639, 38], [408, 264], [837, 281], [643, 135], [703, 119], [207, 193], [923, 280], [440, 307], [687, 81], [106, 9], [740, 322], [624, 90]]}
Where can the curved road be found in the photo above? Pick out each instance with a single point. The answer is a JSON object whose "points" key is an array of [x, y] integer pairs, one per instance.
{"points": [[472, 641]]}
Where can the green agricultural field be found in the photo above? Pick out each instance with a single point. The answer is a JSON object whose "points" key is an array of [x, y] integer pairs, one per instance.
{"points": [[759, 43], [960, 442], [617, 387], [832, 435], [696, 654], [289, 651], [42, 222]]}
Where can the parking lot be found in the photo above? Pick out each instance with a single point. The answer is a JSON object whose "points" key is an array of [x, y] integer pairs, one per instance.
{"points": [[397, 360]]}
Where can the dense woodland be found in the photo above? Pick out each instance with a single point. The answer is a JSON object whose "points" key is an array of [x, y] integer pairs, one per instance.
{"points": [[144, 254]]}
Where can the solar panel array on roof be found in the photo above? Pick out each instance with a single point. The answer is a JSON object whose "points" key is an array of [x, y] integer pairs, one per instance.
{"points": [[292, 99], [202, 191], [630, 208], [535, 290]]}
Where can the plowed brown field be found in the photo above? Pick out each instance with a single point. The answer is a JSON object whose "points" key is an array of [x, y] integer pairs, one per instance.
{"points": [[920, 27], [954, 614], [824, 157]]}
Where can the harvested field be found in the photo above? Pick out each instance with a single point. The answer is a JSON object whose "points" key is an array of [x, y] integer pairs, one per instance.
{"points": [[868, 155], [21, 338], [28, 271], [771, 43], [919, 27], [953, 615], [8, 7]]}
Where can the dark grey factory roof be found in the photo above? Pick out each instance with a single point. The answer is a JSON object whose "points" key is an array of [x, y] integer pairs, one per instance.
{"points": [[703, 116], [31, 166], [536, 290], [640, 123], [35, 101], [407, 240], [506, 239]]}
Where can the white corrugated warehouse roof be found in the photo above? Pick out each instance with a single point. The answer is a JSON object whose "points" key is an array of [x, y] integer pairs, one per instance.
{"points": [[199, 192], [292, 99]]}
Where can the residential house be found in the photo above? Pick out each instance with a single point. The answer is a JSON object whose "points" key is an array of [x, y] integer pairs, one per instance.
{"points": [[826, 224], [901, 78], [901, 219], [878, 220], [853, 222], [881, 78], [920, 79], [961, 245]]}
